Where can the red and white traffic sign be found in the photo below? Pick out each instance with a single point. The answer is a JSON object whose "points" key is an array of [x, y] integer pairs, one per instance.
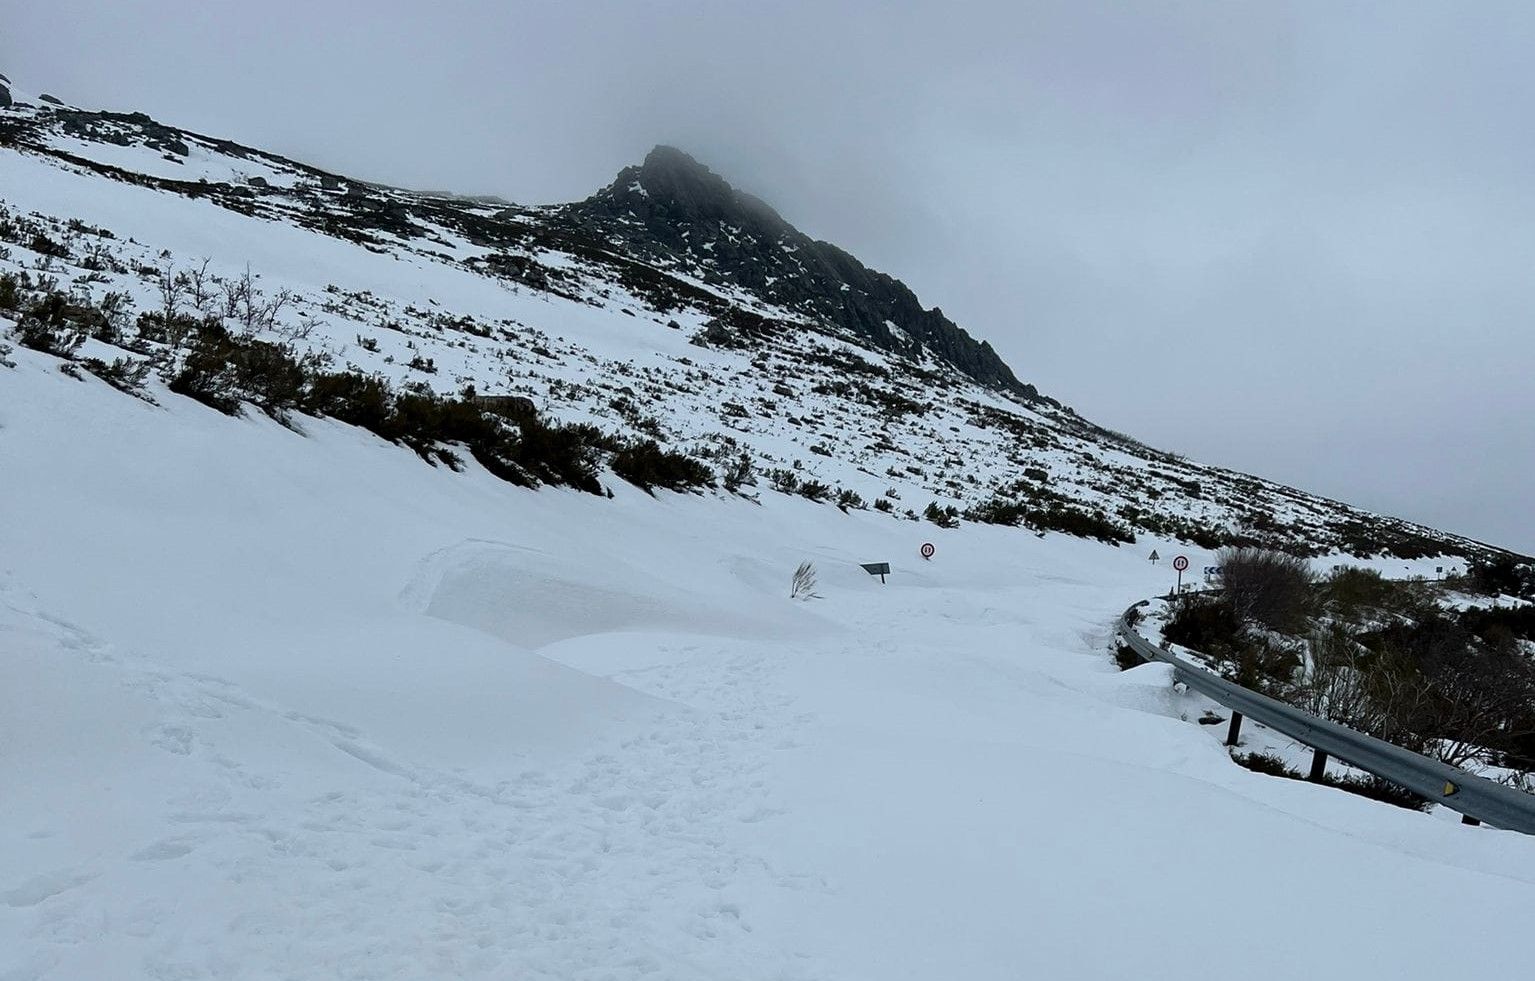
{"points": [[1180, 563], [928, 550]]}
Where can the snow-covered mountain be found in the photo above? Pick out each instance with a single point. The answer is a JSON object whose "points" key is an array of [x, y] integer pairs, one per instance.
{"points": [[306, 671], [667, 306]]}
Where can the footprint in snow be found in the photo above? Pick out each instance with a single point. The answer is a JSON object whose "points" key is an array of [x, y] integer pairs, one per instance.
{"points": [[164, 851], [40, 888]]}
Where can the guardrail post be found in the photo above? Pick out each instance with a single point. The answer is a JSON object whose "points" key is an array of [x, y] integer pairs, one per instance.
{"points": [[1235, 730], [1318, 766]]}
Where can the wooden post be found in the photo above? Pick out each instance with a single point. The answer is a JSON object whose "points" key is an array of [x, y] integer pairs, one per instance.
{"points": [[1318, 766], [1235, 730]]}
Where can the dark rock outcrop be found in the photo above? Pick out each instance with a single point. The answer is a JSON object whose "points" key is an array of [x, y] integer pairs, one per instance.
{"points": [[675, 212]]}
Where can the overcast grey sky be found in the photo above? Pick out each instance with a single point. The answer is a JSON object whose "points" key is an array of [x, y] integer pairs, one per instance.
{"points": [[1294, 239]]}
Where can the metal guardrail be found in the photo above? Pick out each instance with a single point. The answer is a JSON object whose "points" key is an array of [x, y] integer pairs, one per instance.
{"points": [[1476, 798]]}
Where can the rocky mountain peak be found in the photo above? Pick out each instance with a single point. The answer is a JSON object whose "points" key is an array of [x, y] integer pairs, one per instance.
{"points": [[677, 213], [671, 188], [668, 166]]}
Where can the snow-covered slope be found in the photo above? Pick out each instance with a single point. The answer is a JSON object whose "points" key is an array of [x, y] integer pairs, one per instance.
{"points": [[721, 340], [280, 700], [303, 707]]}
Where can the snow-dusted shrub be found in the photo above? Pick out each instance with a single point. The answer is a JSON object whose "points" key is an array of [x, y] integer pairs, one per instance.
{"points": [[739, 473], [784, 481], [55, 325], [814, 490], [223, 371], [943, 517], [124, 374]]}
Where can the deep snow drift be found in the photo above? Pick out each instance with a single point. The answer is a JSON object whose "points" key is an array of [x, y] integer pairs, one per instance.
{"points": [[277, 705]]}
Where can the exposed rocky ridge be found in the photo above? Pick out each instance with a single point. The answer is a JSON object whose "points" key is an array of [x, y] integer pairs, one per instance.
{"points": [[676, 212]]}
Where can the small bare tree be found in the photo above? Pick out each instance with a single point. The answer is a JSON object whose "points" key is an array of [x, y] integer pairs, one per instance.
{"points": [[1337, 680], [173, 289], [245, 304], [201, 286], [802, 586], [236, 293], [1519, 780], [1479, 695]]}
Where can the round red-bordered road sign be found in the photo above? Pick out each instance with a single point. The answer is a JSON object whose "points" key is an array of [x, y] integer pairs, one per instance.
{"points": [[1180, 563], [928, 550]]}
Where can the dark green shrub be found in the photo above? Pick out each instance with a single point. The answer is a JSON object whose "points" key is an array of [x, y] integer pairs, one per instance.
{"points": [[354, 398], [124, 374], [43, 245], [1375, 788], [943, 517], [645, 465], [1516, 621], [1350, 591], [1501, 575], [1126, 658], [814, 490], [739, 473], [784, 481], [560, 454], [998, 511], [1271, 589], [1365, 785], [56, 324], [222, 371], [1266, 763], [1207, 624], [1074, 521]]}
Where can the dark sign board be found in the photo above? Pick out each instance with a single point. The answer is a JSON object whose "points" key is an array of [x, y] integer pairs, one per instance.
{"points": [[881, 569]]}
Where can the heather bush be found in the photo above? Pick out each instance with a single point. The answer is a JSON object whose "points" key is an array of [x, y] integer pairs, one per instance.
{"points": [[647, 466], [1271, 589]]}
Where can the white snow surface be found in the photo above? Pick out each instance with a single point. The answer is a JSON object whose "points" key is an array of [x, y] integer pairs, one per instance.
{"points": [[296, 705]]}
